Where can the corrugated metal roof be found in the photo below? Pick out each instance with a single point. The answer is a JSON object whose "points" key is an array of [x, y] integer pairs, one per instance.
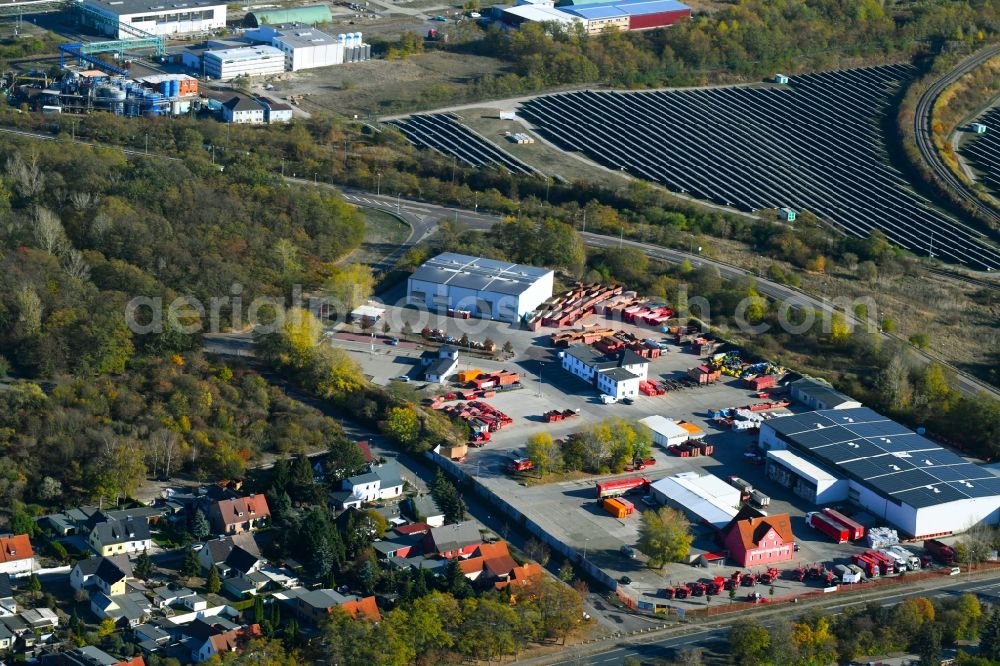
{"points": [[476, 273], [540, 14], [310, 14], [630, 7]]}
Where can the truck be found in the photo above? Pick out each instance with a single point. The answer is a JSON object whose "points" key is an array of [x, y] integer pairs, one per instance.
{"points": [[617, 507], [759, 499], [744, 487], [608, 399], [901, 563], [827, 526], [912, 561], [621, 486], [867, 564], [846, 574], [517, 465], [857, 570], [856, 528], [886, 564], [941, 552]]}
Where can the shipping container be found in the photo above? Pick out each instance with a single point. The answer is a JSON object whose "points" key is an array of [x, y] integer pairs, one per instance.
{"points": [[466, 376], [856, 528], [759, 499], [828, 527], [616, 507]]}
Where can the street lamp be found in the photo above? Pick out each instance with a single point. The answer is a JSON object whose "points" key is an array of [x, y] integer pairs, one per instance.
{"points": [[378, 186]]}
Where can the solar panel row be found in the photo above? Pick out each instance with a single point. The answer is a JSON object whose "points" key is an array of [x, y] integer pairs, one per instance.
{"points": [[984, 151], [815, 145], [443, 133], [886, 456]]}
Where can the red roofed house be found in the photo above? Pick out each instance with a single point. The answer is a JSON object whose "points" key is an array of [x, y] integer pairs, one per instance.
{"points": [[316, 605], [489, 562], [16, 556], [215, 640], [759, 540], [412, 528], [243, 514], [521, 575], [365, 606]]}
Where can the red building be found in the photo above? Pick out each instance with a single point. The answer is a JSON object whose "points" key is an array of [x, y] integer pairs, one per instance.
{"points": [[754, 540]]}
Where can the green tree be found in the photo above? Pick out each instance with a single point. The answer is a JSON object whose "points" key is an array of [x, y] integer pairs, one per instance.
{"points": [[200, 528], [989, 642], [35, 585], [456, 582], [448, 499], [403, 424], [212, 582], [664, 536], [544, 452], [749, 643], [927, 644], [143, 566], [189, 563]]}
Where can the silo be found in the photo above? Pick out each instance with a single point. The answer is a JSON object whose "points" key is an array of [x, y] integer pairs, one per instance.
{"points": [[164, 87], [175, 88]]}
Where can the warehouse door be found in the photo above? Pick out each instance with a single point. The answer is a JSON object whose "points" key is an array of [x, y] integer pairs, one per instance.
{"points": [[484, 308]]}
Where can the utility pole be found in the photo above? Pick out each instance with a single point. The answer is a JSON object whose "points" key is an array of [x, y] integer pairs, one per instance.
{"points": [[621, 237], [397, 203], [378, 186], [282, 167], [584, 220]]}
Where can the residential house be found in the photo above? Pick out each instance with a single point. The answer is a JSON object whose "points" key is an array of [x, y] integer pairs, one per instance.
{"points": [[84, 574], [238, 515], [216, 635], [378, 483], [131, 609], [16, 556], [424, 509], [167, 596], [616, 375], [275, 112], [114, 536], [8, 606], [150, 638], [398, 546], [756, 540], [412, 528], [315, 605], [40, 620], [244, 110], [522, 575], [88, 656], [6, 638], [489, 562], [458, 540], [215, 552]]}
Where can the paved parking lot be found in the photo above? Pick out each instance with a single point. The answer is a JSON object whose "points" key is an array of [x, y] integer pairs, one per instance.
{"points": [[569, 510]]}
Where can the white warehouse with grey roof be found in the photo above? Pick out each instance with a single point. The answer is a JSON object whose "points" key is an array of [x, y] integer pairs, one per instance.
{"points": [[486, 288], [895, 474], [156, 18]]}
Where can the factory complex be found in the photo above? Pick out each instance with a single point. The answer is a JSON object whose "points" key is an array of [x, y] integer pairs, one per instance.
{"points": [[121, 19]]}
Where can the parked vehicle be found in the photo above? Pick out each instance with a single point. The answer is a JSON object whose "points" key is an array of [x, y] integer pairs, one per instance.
{"points": [[941, 552], [621, 486], [912, 561], [886, 564], [517, 465], [827, 527], [867, 564], [627, 551], [608, 399], [681, 592], [393, 342], [858, 571], [759, 499], [697, 589], [846, 574], [901, 563], [857, 530]]}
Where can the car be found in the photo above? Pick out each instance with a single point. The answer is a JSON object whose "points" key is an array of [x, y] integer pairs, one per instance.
{"points": [[797, 548], [627, 551], [627, 401], [648, 501], [440, 18], [402, 378], [625, 580]]}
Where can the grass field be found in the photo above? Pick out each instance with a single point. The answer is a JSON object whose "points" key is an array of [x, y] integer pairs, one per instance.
{"points": [[383, 234]]}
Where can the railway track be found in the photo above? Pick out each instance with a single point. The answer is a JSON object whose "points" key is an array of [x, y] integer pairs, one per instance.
{"points": [[922, 128], [961, 277]]}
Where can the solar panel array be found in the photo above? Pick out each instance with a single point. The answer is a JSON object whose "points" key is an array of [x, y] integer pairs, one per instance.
{"points": [[886, 456], [813, 145], [983, 151], [445, 134]]}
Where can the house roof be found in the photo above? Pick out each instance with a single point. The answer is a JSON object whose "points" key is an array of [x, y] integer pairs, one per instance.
{"points": [[110, 572], [441, 366], [494, 559], [91, 565], [620, 374], [822, 392], [423, 507], [241, 103], [241, 560], [752, 530], [14, 548], [120, 530], [365, 606], [412, 528], [5, 587], [389, 474], [453, 537], [521, 575], [239, 509], [230, 640], [588, 356], [366, 451]]}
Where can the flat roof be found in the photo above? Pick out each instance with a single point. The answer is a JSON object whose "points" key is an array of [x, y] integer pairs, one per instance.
{"points": [[885, 456], [708, 497], [300, 35], [601, 10], [822, 391], [121, 7], [803, 467], [479, 274], [620, 374], [246, 53], [539, 14]]}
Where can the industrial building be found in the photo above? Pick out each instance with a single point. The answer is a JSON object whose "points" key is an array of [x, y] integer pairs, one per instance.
{"points": [[668, 432], [94, 90], [484, 288], [307, 15], [616, 375], [227, 64], [598, 17], [706, 499], [306, 47], [804, 478], [190, 17], [893, 473], [817, 394]]}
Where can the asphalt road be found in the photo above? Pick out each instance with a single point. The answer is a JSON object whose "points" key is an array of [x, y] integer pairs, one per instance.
{"points": [[716, 637], [922, 129]]}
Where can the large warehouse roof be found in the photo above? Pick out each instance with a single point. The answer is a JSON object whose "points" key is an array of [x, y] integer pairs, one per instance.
{"points": [[886, 456], [598, 10], [126, 7], [802, 467], [538, 14], [708, 497], [478, 274]]}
